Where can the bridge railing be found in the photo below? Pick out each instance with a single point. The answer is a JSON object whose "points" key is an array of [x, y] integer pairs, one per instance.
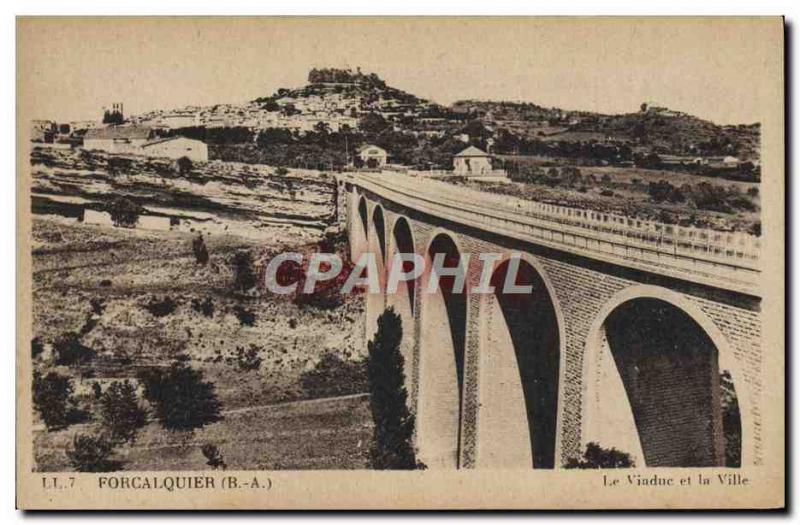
{"points": [[738, 246], [719, 255]]}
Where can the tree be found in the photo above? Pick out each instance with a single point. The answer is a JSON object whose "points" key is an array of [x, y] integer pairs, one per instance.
{"points": [[184, 165], [122, 414], [69, 351], [731, 421], [113, 117], [243, 274], [599, 457], [199, 249], [91, 453], [180, 397], [124, 212], [372, 123], [213, 456], [52, 398], [394, 425]]}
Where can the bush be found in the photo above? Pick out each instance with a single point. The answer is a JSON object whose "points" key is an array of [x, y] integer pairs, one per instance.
{"points": [[200, 250], [37, 347], [181, 399], [205, 307], [161, 307], [247, 359], [91, 453], [394, 426], [334, 376], [741, 202], [244, 276], [213, 457], [599, 457], [731, 421], [52, 398], [124, 212], [710, 197], [122, 415], [69, 351], [184, 165], [664, 191], [245, 316]]}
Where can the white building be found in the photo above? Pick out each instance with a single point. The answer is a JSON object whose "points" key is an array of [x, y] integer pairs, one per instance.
{"points": [[141, 140], [175, 148], [117, 139], [472, 162], [373, 156]]}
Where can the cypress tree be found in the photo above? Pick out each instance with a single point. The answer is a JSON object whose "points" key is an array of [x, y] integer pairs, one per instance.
{"points": [[394, 425]]}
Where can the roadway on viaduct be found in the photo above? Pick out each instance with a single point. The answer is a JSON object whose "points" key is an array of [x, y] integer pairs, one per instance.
{"points": [[637, 335]]}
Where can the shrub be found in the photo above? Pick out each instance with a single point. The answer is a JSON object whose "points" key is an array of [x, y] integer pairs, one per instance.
{"points": [[205, 307], [91, 454], [606, 193], [245, 316], [247, 359], [741, 202], [124, 212], [334, 376], [122, 414], [184, 165], [180, 397], [69, 351], [117, 165], [596, 456], [37, 347], [52, 398], [664, 191], [394, 426], [752, 191], [244, 276], [731, 421], [161, 307], [200, 250], [213, 457], [710, 197]]}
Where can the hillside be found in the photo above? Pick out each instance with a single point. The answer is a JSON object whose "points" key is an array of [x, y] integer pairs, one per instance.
{"points": [[653, 129], [323, 123]]}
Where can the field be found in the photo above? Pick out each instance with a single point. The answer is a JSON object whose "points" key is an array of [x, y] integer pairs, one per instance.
{"points": [[100, 283]]}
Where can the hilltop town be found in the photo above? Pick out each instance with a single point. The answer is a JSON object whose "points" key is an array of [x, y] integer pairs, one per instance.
{"points": [[654, 162]]}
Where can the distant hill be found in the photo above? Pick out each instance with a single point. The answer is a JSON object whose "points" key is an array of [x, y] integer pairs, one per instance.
{"points": [[349, 100], [656, 129]]}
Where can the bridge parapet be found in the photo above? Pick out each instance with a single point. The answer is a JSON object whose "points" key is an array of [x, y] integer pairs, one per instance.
{"points": [[727, 260]]}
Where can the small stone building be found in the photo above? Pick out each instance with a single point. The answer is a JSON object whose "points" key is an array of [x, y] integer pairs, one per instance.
{"points": [[373, 156], [117, 139], [472, 162], [175, 148]]}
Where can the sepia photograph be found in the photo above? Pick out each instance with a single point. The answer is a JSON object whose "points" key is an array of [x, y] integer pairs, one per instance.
{"points": [[261, 256]]}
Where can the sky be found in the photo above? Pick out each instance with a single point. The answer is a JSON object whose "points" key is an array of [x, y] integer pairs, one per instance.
{"points": [[68, 69]]}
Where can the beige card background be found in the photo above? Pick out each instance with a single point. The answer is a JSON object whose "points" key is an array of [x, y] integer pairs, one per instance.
{"points": [[758, 43]]}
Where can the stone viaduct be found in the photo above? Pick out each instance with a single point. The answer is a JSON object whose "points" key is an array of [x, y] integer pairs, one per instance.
{"points": [[637, 335]]}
